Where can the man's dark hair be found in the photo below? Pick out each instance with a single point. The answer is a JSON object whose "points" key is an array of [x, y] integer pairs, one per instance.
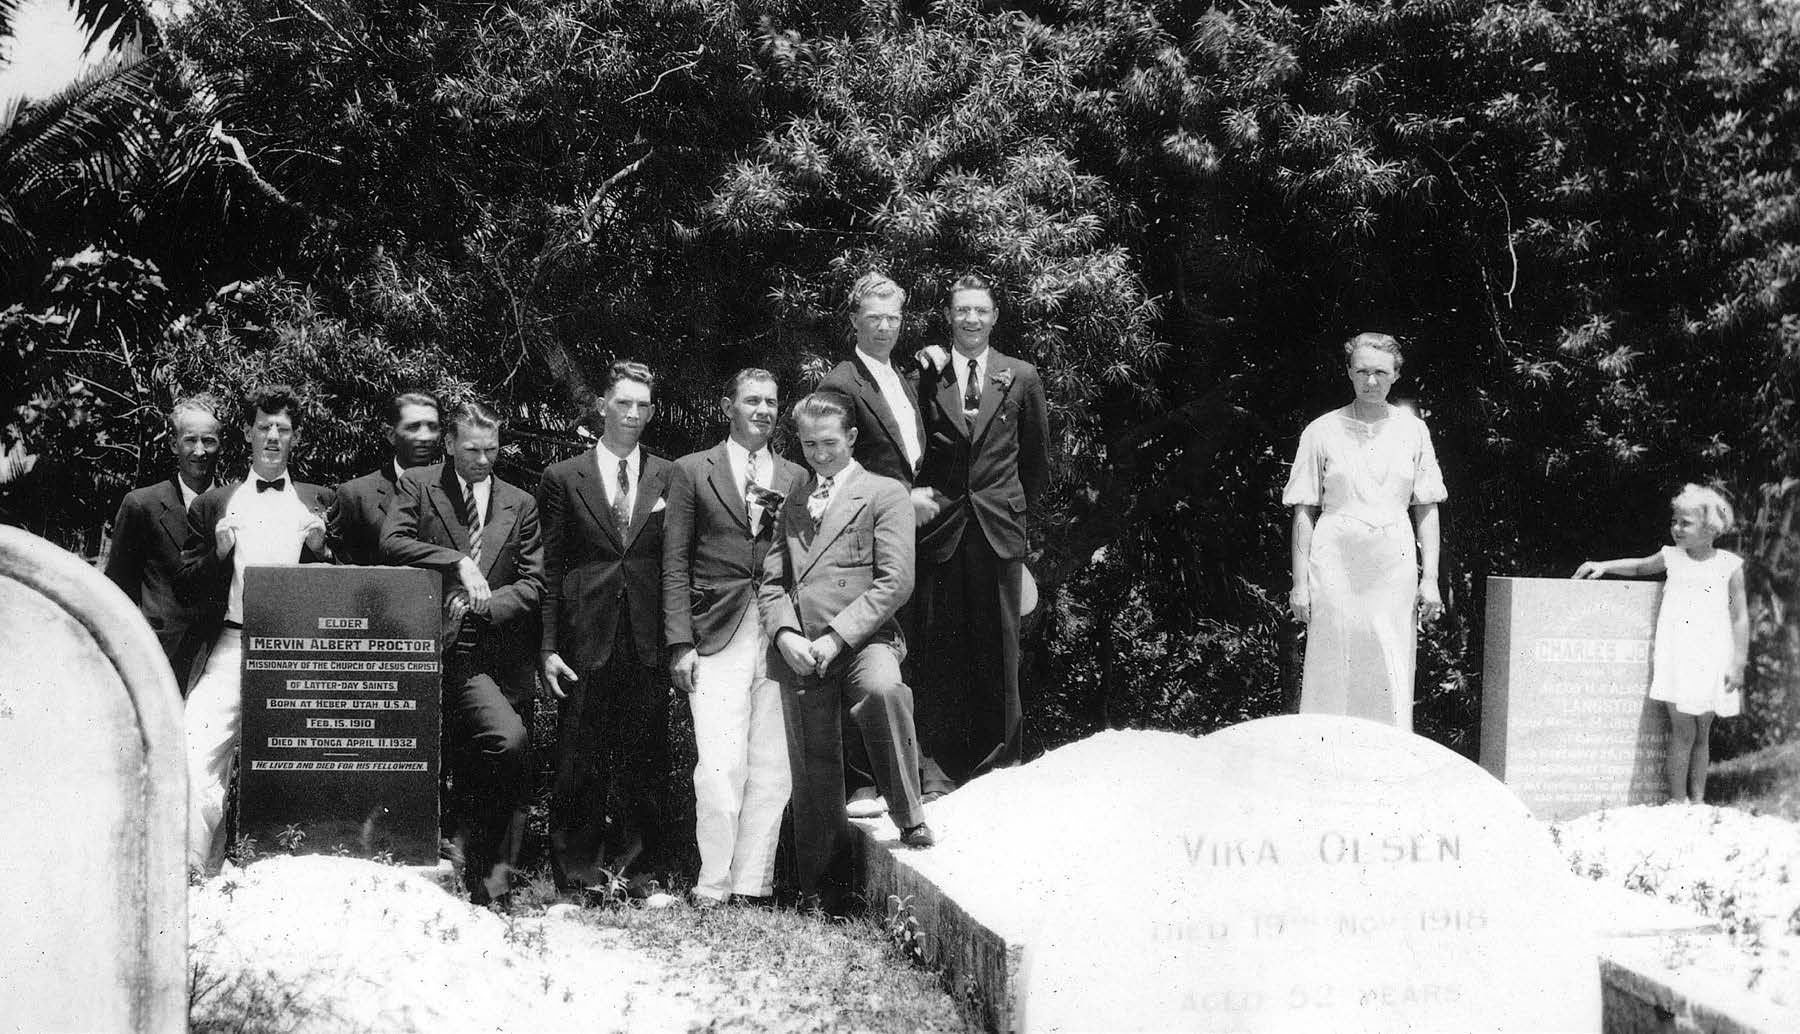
{"points": [[744, 376], [474, 415], [629, 370], [972, 281], [821, 404], [275, 399], [411, 398]]}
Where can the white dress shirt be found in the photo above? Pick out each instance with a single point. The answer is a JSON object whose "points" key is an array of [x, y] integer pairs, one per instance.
{"points": [[895, 393], [609, 475], [740, 467], [271, 529], [188, 495], [960, 363]]}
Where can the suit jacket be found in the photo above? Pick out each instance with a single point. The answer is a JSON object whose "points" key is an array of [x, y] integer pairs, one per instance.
{"points": [[590, 572], [355, 521], [427, 527], [711, 565], [205, 579], [850, 572], [145, 560], [879, 447], [994, 470]]}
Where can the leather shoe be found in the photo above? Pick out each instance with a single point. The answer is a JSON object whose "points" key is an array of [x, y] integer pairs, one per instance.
{"points": [[865, 803], [917, 836]]}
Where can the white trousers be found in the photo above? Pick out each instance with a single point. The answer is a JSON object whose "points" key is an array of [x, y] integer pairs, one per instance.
{"points": [[214, 718], [742, 781]]}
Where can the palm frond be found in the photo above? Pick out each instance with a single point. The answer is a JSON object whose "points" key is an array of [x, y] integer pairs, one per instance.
{"points": [[93, 123], [124, 21]]}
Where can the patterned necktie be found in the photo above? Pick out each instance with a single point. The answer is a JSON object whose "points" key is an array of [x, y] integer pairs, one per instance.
{"points": [[473, 509], [972, 392], [750, 507], [815, 503], [622, 502]]}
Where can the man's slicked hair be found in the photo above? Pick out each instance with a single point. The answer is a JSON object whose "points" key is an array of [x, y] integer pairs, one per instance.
{"points": [[745, 376], [411, 398], [629, 370], [273, 399], [972, 281], [474, 415], [873, 285], [822, 404]]}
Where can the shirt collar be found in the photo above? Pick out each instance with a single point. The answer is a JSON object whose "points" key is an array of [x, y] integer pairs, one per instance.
{"points": [[483, 486], [981, 358], [874, 364], [608, 462], [253, 477], [188, 495], [399, 471], [740, 455]]}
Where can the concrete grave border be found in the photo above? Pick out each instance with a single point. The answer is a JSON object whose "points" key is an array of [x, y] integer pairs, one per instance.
{"points": [[127, 642]]}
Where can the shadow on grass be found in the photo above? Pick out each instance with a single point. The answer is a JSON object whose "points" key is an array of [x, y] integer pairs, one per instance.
{"points": [[1766, 782]]}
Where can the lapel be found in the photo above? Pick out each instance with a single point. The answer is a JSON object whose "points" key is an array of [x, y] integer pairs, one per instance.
{"points": [[991, 394], [593, 494], [949, 398], [445, 493], [653, 478], [871, 392], [172, 516], [503, 513], [384, 487], [719, 459], [846, 503]]}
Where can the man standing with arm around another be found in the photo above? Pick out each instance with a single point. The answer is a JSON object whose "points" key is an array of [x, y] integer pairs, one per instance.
{"points": [[268, 519], [482, 533], [719, 527], [362, 504], [988, 454], [152, 526], [830, 595], [602, 623]]}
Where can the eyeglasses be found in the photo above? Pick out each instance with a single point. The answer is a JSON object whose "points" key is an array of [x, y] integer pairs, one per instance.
{"points": [[880, 320]]}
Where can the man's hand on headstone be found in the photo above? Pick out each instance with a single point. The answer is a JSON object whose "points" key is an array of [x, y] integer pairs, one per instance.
{"points": [[477, 585], [555, 673], [825, 649], [796, 651], [684, 669]]}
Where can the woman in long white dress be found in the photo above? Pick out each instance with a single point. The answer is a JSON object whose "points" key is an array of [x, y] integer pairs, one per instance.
{"points": [[1364, 487]]}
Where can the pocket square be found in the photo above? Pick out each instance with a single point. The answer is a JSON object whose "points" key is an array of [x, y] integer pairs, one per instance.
{"points": [[767, 498], [661, 505]]}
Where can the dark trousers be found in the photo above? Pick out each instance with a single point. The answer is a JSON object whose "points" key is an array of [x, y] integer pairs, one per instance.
{"points": [[970, 719], [868, 688], [489, 742], [612, 767]]}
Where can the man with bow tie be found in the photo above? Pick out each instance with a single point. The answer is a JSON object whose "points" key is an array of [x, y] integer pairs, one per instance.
{"points": [[267, 519], [151, 527], [414, 435], [602, 639], [987, 457], [719, 526], [483, 534], [831, 594]]}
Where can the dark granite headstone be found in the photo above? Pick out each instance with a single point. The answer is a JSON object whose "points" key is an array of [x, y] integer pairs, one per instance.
{"points": [[341, 711], [1566, 718]]}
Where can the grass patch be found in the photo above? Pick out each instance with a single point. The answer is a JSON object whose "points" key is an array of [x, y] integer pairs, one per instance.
{"points": [[1766, 782]]}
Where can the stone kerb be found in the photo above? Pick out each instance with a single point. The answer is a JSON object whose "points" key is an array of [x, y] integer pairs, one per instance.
{"points": [[94, 787]]}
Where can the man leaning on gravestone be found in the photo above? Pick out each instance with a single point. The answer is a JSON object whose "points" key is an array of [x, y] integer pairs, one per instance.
{"points": [[602, 639], [267, 519], [362, 504], [483, 534], [147, 535]]}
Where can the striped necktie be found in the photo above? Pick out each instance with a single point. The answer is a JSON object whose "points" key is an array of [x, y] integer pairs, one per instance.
{"points": [[475, 523], [622, 502]]}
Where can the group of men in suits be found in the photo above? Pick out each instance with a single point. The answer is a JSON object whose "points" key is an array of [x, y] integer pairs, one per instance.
{"points": [[777, 598]]}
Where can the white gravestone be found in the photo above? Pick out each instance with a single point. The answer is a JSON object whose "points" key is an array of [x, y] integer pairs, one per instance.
{"points": [[94, 791], [1311, 873]]}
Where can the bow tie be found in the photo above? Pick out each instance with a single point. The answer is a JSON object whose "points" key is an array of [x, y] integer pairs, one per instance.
{"points": [[276, 485]]}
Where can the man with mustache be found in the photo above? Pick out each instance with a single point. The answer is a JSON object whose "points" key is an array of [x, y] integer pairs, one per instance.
{"points": [[151, 527]]}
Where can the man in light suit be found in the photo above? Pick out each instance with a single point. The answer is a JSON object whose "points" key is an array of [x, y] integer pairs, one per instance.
{"points": [[719, 526], [989, 459], [831, 593], [602, 638], [482, 533], [151, 528], [267, 519], [355, 523]]}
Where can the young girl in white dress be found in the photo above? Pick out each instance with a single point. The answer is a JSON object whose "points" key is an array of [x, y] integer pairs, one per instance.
{"points": [[1702, 631]]}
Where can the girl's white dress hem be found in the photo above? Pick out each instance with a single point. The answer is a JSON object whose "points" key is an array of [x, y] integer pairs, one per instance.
{"points": [[1693, 634]]}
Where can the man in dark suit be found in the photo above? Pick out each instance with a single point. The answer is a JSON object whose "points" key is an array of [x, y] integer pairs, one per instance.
{"points": [[483, 534], [988, 458], [267, 519], [151, 527], [602, 624], [718, 527], [355, 523], [891, 442], [831, 594]]}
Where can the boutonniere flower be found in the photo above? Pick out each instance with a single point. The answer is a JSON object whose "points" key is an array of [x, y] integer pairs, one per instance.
{"points": [[1003, 378]]}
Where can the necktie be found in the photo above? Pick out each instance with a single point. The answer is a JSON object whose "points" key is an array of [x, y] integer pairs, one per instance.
{"points": [[750, 507], [815, 503], [622, 502], [271, 486], [972, 392], [474, 509]]}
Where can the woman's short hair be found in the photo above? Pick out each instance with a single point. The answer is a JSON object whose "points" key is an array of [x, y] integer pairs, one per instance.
{"points": [[1716, 513], [1379, 342], [822, 404]]}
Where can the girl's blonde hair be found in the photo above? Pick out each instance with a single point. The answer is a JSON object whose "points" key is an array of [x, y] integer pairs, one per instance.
{"points": [[1715, 510]]}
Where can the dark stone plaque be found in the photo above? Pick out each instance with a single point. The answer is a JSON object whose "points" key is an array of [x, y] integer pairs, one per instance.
{"points": [[341, 710]]}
